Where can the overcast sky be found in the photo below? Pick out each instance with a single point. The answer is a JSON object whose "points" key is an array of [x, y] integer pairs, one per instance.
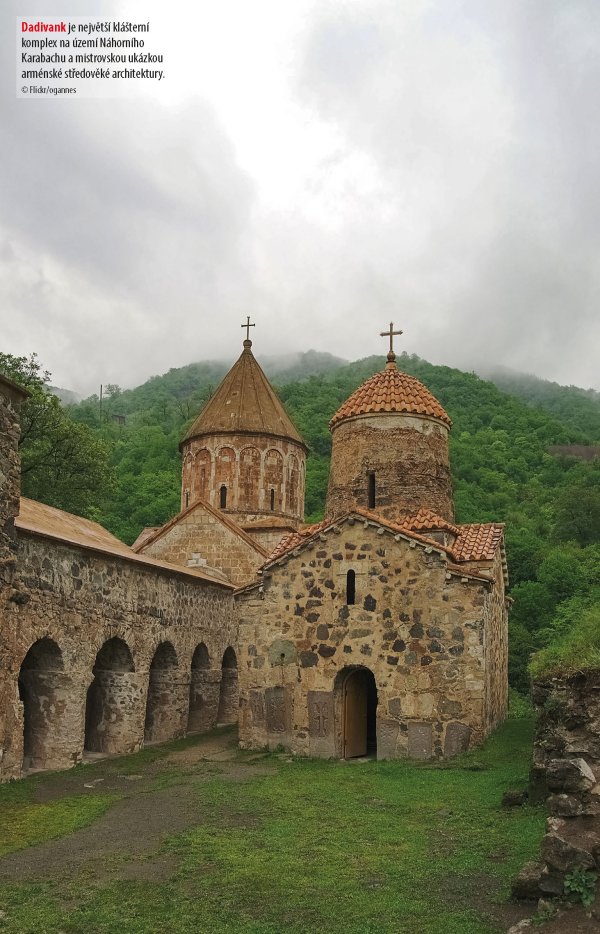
{"points": [[324, 167]]}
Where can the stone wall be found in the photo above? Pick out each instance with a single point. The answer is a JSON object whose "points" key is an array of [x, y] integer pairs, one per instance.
{"points": [[420, 630], [11, 398], [198, 531], [100, 653], [408, 456], [566, 775], [496, 649], [263, 475]]}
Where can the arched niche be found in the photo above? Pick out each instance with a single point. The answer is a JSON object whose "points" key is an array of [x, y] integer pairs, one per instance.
{"points": [[204, 692], [250, 476], [225, 476], [44, 692], [292, 485], [273, 481], [229, 694]]}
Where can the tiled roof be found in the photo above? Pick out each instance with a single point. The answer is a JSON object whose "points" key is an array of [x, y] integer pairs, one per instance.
{"points": [[390, 390], [474, 542], [425, 519], [39, 519], [289, 542], [244, 402], [478, 541]]}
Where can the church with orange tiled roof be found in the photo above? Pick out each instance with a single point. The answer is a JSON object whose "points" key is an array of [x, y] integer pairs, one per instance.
{"points": [[381, 630]]}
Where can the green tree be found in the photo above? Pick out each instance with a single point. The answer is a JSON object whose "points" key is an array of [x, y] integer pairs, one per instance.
{"points": [[63, 463]]}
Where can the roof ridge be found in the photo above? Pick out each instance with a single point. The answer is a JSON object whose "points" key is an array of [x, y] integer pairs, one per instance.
{"points": [[459, 551], [217, 513]]}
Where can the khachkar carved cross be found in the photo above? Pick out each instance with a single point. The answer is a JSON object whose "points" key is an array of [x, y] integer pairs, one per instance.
{"points": [[247, 325], [391, 334]]}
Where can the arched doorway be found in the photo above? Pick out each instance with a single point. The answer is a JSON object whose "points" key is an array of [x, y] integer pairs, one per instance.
{"points": [[163, 713], [228, 697], [204, 692], [43, 693], [359, 713], [112, 713]]}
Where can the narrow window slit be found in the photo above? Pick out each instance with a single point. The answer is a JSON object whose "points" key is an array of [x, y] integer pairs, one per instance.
{"points": [[371, 490], [350, 587]]}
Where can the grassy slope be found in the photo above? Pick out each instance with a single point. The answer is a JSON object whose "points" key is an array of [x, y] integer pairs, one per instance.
{"points": [[316, 846]]}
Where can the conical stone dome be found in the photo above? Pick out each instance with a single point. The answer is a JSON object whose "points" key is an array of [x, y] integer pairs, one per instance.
{"points": [[244, 402], [243, 454]]}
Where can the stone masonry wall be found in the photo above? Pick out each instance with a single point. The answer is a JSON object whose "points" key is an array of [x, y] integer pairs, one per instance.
{"points": [[250, 467], [566, 775], [407, 454], [418, 629], [77, 602], [199, 532], [496, 650], [10, 477]]}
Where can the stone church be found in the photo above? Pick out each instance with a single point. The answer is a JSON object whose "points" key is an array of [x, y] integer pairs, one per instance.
{"points": [[381, 630]]}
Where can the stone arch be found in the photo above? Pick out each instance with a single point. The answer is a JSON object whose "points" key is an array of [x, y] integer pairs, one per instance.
{"points": [[204, 692], [164, 711], [44, 692], [355, 699], [225, 474], [273, 481], [292, 485], [229, 693], [249, 485], [114, 713]]}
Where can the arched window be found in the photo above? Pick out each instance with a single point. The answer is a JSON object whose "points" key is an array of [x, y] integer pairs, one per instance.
{"points": [[350, 587], [223, 497], [272, 500], [371, 490]]}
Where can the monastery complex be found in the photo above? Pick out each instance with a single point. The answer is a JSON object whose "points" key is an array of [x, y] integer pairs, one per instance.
{"points": [[381, 630]]}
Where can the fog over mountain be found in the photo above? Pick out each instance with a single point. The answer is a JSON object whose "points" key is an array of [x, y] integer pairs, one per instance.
{"points": [[324, 167]]}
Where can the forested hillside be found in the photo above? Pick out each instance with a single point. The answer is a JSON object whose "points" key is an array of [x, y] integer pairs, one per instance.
{"points": [[499, 453]]}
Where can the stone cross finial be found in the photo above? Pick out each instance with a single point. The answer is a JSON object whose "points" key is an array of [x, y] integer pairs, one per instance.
{"points": [[391, 333], [247, 325]]}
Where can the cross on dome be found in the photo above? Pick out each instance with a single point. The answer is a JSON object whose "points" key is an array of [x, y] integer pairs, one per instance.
{"points": [[391, 333], [247, 325]]}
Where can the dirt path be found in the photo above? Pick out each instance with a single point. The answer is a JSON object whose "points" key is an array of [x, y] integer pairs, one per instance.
{"points": [[125, 842]]}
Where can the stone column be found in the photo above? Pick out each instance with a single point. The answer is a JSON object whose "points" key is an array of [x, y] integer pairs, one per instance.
{"points": [[166, 707], [116, 712], [229, 697], [203, 699], [51, 720]]}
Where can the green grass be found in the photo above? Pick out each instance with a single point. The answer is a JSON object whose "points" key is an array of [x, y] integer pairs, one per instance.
{"points": [[315, 846], [573, 650]]}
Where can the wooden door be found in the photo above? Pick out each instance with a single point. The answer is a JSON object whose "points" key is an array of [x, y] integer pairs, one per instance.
{"points": [[355, 715]]}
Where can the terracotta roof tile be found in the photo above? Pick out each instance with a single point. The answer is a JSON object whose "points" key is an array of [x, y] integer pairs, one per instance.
{"points": [[478, 541], [390, 390], [289, 542], [474, 542], [424, 519]]}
